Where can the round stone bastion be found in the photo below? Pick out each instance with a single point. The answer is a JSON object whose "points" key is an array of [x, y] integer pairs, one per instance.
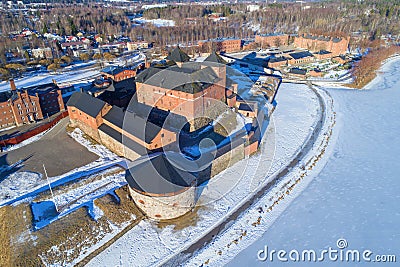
{"points": [[161, 189]]}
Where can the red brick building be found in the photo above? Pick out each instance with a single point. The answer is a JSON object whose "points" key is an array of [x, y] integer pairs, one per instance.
{"points": [[187, 90], [337, 46], [105, 124], [117, 74], [28, 105], [272, 39], [221, 45]]}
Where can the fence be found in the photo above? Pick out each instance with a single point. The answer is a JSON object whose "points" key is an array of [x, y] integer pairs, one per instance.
{"points": [[37, 130]]}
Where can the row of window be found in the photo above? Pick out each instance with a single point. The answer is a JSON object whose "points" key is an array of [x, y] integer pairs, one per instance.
{"points": [[27, 110], [26, 104], [6, 119], [1, 106]]}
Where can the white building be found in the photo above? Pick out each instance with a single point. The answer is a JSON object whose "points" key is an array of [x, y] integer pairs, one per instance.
{"points": [[136, 45], [252, 8]]}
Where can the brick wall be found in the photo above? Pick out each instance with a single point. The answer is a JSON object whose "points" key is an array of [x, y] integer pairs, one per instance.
{"points": [[337, 48], [41, 128], [6, 115], [271, 40]]}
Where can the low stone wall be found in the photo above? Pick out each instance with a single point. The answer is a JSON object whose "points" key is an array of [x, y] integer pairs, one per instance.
{"points": [[93, 133], [227, 159], [117, 147], [165, 207]]}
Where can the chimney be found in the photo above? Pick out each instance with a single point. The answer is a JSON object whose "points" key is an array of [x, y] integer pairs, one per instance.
{"points": [[12, 85]]}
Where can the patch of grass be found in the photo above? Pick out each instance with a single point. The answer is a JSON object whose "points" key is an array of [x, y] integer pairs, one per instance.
{"points": [[5, 251], [121, 212]]}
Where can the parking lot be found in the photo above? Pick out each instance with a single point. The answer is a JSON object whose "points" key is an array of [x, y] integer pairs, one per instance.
{"points": [[56, 150]]}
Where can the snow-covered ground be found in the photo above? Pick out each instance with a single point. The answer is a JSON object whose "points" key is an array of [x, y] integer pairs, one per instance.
{"points": [[43, 78], [355, 197], [22, 185], [157, 22], [293, 121]]}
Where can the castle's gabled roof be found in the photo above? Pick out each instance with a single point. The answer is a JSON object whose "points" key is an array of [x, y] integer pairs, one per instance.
{"points": [[177, 55], [214, 57], [190, 78], [86, 103], [134, 123], [158, 174]]}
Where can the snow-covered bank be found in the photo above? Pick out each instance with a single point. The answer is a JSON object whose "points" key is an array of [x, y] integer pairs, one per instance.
{"points": [[355, 196], [294, 119]]}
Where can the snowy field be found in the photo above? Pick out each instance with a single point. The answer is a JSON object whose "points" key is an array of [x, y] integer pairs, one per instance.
{"points": [[355, 197], [293, 121]]}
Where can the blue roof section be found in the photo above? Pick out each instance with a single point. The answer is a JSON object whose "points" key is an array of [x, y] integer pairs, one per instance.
{"points": [[272, 34], [113, 70], [298, 55]]}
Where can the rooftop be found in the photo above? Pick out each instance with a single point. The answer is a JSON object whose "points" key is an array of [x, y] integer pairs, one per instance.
{"points": [[298, 55], [191, 78], [159, 174], [214, 57], [177, 55], [272, 34], [86, 103], [113, 70]]}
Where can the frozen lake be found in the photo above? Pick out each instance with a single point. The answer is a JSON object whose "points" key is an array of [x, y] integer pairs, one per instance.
{"points": [[356, 196]]}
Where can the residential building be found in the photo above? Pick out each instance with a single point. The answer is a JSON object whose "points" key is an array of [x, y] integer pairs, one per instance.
{"points": [[136, 45], [272, 39], [117, 73], [31, 104], [336, 45], [226, 45], [300, 58], [42, 53]]}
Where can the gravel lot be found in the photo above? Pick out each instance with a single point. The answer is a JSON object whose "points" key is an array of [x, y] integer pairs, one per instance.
{"points": [[56, 150]]}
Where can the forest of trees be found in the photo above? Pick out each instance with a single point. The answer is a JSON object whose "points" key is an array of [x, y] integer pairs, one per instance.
{"points": [[371, 16]]}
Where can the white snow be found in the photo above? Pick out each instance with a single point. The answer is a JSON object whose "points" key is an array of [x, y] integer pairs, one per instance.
{"points": [[157, 22]]}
